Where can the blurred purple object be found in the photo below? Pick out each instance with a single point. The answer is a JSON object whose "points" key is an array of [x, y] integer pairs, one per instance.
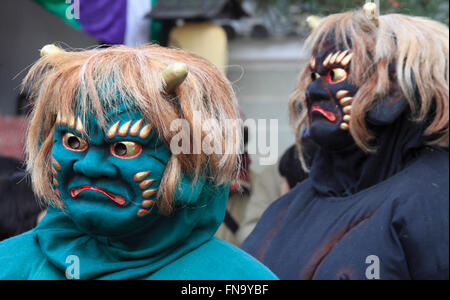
{"points": [[104, 19]]}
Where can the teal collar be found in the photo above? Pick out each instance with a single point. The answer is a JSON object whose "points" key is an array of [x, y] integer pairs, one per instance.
{"points": [[141, 253]]}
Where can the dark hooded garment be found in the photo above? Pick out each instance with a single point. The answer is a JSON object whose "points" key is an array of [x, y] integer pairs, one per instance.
{"points": [[358, 216]]}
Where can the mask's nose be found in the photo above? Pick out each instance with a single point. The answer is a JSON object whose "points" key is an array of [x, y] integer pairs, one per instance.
{"points": [[95, 164], [317, 91]]}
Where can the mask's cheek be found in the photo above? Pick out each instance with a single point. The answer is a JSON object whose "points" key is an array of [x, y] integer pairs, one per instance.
{"points": [[187, 193], [343, 93], [62, 162], [143, 174], [342, 90]]}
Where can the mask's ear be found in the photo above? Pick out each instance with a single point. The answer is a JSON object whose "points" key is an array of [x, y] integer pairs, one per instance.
{"points": [[387, 110]]}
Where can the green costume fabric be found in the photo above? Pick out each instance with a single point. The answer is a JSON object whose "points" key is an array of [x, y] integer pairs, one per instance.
{"points": [[112, 239], [43, 254], [60, 8]]}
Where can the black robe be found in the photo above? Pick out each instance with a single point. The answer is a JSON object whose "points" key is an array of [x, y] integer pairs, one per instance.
{"points": [[358, 216]]}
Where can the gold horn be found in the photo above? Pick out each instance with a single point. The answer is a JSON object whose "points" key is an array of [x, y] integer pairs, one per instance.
{"points": [[50, 49], [372, 12], [313, 21], [174, 75]]}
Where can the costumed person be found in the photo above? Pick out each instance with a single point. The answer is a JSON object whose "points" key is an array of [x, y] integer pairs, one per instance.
{"points": [[127, 198], [376, 203], [291, 170]]}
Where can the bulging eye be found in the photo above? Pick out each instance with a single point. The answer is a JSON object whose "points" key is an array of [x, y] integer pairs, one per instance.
{"points": [[337, 75], [126, 149], [74, 143], [315, 76]]}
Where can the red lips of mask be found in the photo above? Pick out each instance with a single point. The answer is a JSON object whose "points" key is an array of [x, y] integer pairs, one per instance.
{"points": [[74, 192], [327, 114]]}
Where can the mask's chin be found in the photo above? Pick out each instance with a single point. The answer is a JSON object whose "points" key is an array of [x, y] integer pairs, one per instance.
{"points": [[96, 214], [325, 129]]}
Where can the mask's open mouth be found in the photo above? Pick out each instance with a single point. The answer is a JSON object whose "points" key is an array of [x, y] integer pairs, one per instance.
{"points": [[74, 192], [330, 116]]}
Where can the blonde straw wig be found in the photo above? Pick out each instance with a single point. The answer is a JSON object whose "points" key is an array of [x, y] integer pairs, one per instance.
{"points": [[95, 81], [419, 48]]}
